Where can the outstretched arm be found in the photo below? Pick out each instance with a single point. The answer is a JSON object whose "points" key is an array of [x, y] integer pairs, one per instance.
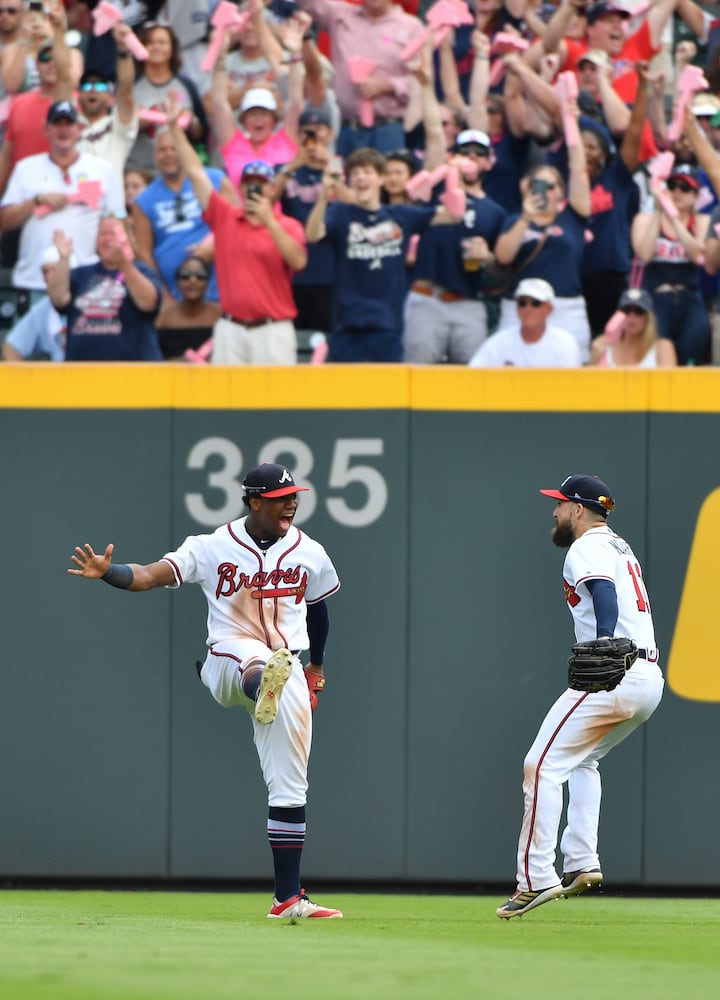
{"points": [[130, 576]]}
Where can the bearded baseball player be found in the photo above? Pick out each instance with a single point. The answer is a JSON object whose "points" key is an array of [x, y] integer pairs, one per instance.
{"points": [[266, 585], [614, 685]]}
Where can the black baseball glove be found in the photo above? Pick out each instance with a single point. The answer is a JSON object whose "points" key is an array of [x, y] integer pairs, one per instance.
{"points": [[600, 664]]}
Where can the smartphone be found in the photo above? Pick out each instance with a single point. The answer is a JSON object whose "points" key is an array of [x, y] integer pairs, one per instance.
{"points": [[255, 190], [335, 167], [540, 186], [37, 6], [309, 137]]}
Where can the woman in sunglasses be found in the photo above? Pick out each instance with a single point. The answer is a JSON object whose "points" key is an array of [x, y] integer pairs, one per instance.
{"points": [[638, 345], [672, 246], [546, 240], [188, 323]]}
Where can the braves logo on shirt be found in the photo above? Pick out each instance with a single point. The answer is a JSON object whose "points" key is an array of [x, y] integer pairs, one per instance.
{"points": [[570, 595], [260, 584]]}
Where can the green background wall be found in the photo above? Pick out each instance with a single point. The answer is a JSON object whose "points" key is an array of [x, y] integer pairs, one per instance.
{"points": [[449, 635]]}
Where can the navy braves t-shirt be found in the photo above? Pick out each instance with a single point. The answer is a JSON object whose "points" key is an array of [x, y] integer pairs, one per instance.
{"points": [[439, 254], [370, 249], [614, 202], [558, 262], [103, 322], [301, 192]]}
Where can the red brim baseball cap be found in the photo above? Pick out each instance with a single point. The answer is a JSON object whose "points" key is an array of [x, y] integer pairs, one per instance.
{"points": [[271, 480], [587, 490]]}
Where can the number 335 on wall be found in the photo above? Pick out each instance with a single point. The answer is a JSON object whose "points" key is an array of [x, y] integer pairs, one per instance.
{"points": [[225, 465]]}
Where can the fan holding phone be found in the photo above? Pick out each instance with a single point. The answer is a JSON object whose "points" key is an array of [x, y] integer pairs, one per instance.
{"points": [[546, 240]]}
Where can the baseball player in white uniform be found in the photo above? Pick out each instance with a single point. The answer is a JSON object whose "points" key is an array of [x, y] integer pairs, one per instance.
{"points": [[606, 595], [265, 583]]}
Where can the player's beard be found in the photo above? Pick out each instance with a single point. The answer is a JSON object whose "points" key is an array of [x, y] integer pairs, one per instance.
{"points": [[563, 535]]}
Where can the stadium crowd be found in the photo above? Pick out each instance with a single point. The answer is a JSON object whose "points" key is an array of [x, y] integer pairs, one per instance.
{"points": [[484, 182]]}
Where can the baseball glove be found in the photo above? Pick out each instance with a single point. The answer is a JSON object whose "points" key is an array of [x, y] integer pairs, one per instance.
{"points": [[600, 664], [315, 683]]}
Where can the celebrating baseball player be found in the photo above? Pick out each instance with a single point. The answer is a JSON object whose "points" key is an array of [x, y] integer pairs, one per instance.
{"points": [[614, 685], [265, 583]]}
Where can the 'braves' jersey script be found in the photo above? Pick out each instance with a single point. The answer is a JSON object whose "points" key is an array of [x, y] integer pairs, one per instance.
{"points": [[255, 594], [600, 554]]}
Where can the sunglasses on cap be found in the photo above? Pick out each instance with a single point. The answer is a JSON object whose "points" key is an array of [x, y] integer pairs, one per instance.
{"points": [[98, 85], [680, 186], [633, 311], [528, 303], [469, 148], [187, 275]]}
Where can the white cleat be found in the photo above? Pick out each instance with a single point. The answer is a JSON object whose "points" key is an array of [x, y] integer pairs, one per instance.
{"points": [[274, 678]]}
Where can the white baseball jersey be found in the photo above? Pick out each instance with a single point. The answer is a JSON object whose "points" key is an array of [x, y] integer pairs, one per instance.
{"points": [[600, 554], [254, 594]]}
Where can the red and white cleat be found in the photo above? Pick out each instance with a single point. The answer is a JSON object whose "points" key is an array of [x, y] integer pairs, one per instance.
{"points": [[301, 906]]}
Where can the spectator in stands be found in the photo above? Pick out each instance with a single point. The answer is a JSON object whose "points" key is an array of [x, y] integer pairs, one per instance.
{"points": [[298, 186], [62, 189], [504, 118], [190, 21], [161, 74], [531, 341], [614, 198], [364, 30], [188, 324], [445, 317], [255, 287], [22, 35], [400, 166], [26, 133], [109, 116], [15, 50], [673, 248], [41, 333], [262, 133], [110, 305], [100, 49], [370, 242], [547, 239], [167, 216], [638, 345]]}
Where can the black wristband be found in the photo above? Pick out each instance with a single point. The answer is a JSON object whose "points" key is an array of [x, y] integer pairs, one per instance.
{"points": [[120, 576], [122, 55]]}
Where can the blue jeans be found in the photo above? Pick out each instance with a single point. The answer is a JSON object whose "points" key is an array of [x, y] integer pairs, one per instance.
{"points": [[385, 138], [682, 317], [365, 345]]}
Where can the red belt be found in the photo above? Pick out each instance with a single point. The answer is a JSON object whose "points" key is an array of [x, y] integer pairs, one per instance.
{"points": [[435, 292]]}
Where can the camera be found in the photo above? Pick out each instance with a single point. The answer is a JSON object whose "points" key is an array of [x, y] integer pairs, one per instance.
{"points": [[37, 6], [309, 137], [255, 190]]}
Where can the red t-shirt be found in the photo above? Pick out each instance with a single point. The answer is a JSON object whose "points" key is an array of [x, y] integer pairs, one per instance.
{"points": [[638, 47], [26, 125], [253, 279]]}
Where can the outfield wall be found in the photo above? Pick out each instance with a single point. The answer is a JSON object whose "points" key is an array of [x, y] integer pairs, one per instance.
{"points": [[449, 635]]}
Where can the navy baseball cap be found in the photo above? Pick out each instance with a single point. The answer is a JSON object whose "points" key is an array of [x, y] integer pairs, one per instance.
{"points": [[61, 110], [686, 172], [637, 297], [271, 480], [258, 168], [587, 490], [597, 10]]}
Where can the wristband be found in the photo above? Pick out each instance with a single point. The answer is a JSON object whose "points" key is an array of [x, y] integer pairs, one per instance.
{"points": [[120, 576], [122, 55], [38, 199]]}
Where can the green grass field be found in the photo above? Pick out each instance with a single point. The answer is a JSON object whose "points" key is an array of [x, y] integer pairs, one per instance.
{"points": [[82, 945]]}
